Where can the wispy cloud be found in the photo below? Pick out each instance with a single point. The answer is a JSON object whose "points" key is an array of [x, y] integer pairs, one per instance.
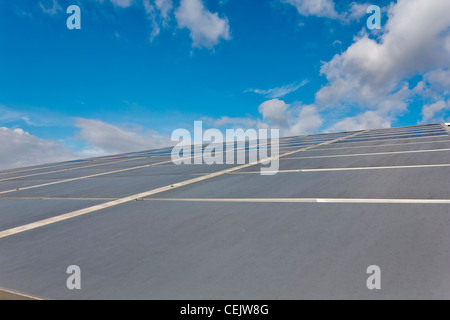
{"points": [[8, 115], [319, 8], [158, 13], [279, 92], [327, 9], [36, 117], [234, 122], [122, 3], [51, 9]]}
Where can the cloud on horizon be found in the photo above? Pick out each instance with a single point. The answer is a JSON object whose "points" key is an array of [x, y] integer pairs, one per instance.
{"points": [[20, 149], [109, 139]]}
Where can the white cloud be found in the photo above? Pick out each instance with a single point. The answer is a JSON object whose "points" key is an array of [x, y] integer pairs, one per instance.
{"points": [[158, 12], [439, 79], [19, 148], [318, 8], [206, 28], [433, 113], [364, 121], [369, 70], [307, 121], [373, 74], [164, 7], [107, 138], [356, 11], [153, 17], [291, 120], [279, 92], [275, 112]]}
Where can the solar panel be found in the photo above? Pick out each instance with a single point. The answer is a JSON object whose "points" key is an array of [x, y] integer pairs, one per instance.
{"points": [[140, 227]]}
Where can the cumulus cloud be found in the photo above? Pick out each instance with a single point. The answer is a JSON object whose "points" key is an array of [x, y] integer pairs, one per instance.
{"points": [[275, 112], [373, 73], [206, 28], [291, 120], [19, 148], [107, 138], [370, 70], [306, 120], [279, 92]]}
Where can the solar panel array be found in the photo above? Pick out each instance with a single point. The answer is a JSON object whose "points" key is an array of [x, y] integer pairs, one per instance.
{"points": [[139, 226]]}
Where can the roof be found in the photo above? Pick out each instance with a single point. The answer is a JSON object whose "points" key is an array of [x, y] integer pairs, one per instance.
{"points": [[140, 227]]}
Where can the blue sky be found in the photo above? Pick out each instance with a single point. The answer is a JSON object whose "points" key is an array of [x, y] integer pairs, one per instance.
{"points": [[139, 69]]}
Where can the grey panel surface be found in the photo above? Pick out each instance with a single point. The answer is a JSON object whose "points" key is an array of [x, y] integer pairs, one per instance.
{"points": [[152, 250], [325, 151], [42, 166], [425, 183], [390, 141], [205, 250], [16, 184], [71, 170], [102, 187], [167, 169], [409, 159], [15, 213]]}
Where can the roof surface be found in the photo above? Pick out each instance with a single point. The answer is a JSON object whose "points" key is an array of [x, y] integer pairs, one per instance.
{"points": [[141, 227]]}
